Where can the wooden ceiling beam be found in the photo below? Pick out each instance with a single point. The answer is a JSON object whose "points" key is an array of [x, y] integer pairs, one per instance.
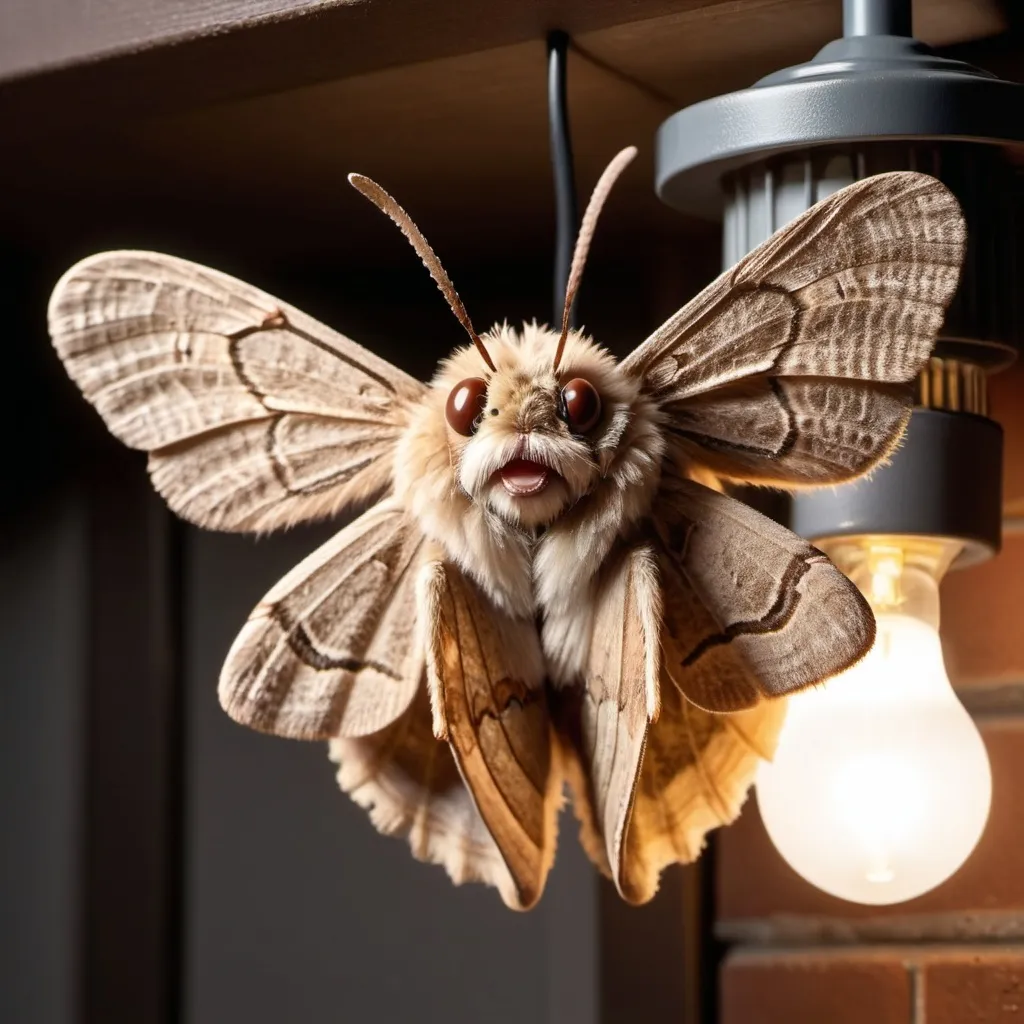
{"points": [[129, 57], [73, 62]]}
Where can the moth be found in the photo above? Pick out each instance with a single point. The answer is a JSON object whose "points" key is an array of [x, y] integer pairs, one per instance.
{"points": [[550, 583]]}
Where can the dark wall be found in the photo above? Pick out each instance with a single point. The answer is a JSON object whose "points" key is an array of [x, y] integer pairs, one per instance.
{"points": [[296, 909], [42, 645]]}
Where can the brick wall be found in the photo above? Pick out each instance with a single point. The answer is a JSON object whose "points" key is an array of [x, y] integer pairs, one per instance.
{"points": [[956, 954]]}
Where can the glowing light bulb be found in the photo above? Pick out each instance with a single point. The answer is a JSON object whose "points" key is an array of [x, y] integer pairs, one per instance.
{"points": [[880, 787]]}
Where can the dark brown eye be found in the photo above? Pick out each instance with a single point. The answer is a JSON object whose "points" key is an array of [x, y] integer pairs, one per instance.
{"points": [[466, 406], [580, 405]]}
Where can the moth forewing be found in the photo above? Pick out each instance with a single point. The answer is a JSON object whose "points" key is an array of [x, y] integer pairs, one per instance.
{"points": [[793, 367], [255, 415], [489, 701], [790, 432], [620, 696]]}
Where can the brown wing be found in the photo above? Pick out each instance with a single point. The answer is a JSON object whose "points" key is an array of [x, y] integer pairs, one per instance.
{"points": [[697, 770], [793, 368], [489, 700], [751, 609], [333, 649], [651, 773], [254, 414], [409, 783], [604, 729]]}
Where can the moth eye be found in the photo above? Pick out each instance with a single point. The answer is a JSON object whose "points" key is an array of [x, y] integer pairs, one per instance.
{"points": [[580, 405], [465, 406]]}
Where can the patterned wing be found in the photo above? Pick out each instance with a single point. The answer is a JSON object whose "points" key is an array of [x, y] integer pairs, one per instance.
{"points": [[651, 772], [489, 701], [794, 367], [752, 610], [255, 415], [334, 648]]}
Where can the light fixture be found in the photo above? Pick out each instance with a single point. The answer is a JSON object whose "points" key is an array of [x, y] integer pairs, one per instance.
{"points": [[887, 770], [881, 786]]}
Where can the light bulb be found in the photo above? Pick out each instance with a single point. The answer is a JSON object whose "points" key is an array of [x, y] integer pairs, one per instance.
{"points": [[880, 786]]}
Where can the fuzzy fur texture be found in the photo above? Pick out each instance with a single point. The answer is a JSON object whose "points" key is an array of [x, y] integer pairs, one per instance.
{"points": [[537, 553]]}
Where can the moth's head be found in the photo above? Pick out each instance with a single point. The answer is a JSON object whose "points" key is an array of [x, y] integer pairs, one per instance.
{"points": [[526, 440], [532, 420]]}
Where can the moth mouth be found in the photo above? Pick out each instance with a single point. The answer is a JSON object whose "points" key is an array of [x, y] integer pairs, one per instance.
{"points": [[523, 478]]}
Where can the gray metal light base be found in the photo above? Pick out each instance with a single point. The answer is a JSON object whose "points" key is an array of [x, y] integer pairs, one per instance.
{"points": [[945, 480], [861, 87], [878, 100], [983, 323]]}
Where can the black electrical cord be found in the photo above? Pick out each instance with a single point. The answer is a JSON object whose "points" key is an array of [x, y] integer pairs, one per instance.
{"points": [[566, 212]]}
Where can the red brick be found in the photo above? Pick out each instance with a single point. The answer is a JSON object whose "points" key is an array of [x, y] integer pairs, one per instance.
{"points": [[978, 988], [983, 618], [756, 888], [815, 988], [1006, 404]]}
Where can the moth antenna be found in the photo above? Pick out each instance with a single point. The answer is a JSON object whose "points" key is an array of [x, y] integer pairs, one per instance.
{"points": [[579, 257], [387, 204]]}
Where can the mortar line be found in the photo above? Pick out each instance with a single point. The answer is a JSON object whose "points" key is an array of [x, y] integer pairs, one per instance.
{"points": [[917, 1010]]}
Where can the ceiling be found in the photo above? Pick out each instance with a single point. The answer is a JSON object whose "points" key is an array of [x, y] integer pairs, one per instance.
{"points": [[461, 141]]}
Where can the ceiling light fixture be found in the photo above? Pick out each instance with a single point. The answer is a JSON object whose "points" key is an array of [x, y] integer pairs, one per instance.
{"points": [[880, 788]]}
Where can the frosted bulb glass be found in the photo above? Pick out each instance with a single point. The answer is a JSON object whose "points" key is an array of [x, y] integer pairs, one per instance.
{"points": [[881, 785]]}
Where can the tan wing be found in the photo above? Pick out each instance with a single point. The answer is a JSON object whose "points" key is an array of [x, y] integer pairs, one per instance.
{"points": [[697, 770], [409, 782], [651, 773], [334, 649], [605, 743], [793, 368], [254, 414], [489, 700], [752, 610]]}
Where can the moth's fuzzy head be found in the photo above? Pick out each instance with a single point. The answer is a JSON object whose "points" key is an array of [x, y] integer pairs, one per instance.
{"points": [[525, 459]]}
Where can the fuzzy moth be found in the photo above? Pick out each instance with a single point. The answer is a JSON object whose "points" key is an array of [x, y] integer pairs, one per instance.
{"points": [[551, 585]]}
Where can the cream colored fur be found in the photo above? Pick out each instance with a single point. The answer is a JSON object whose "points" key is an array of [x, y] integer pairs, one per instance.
{"points": [[535, 554]]}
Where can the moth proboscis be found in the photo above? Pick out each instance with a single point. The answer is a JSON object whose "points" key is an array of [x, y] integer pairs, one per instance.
{"points": [[551, 586]]}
